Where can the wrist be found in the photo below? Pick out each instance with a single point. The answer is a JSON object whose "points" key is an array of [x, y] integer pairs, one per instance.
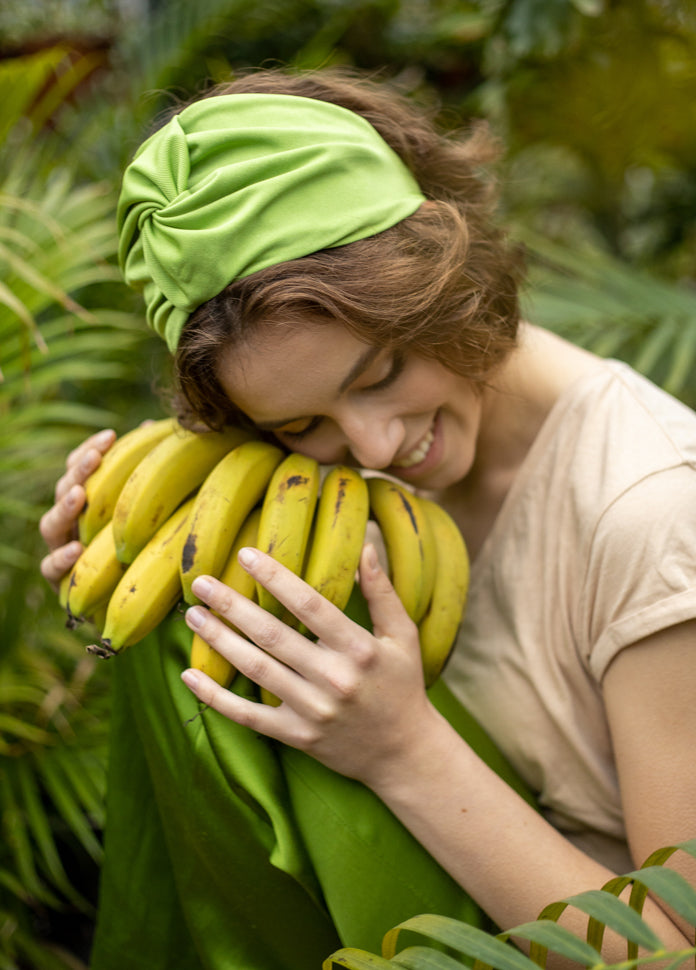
{"points": [[424, 749]]}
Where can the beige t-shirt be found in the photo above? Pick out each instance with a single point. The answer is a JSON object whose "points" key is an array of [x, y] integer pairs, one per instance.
{"points": [[593, 549]]}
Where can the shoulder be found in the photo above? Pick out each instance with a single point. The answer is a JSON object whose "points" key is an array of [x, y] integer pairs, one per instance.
{"points": [[624, 452]]}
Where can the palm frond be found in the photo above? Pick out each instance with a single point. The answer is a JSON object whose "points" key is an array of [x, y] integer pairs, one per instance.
{"points": [[450, 944], [614, 309]]}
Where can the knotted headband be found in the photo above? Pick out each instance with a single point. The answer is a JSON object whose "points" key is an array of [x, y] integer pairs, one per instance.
{"points": [[236, 183]]}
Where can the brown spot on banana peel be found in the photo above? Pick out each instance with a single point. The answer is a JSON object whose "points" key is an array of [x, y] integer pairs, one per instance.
{"points": [[292, 481], [340, 498], [189, 552], [409, 508]]}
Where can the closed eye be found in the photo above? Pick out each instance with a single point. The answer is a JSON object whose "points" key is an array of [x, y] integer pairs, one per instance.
{"points": [[297, 435], [397, 365]]}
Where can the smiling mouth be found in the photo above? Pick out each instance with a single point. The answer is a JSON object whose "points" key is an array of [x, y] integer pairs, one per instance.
{"points": [[418, 454]]}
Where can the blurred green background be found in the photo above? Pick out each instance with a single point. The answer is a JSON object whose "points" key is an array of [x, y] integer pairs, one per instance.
{"points": [[596, 104]]}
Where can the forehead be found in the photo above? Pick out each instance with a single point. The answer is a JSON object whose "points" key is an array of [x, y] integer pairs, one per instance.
{"points": [[290, 371]]}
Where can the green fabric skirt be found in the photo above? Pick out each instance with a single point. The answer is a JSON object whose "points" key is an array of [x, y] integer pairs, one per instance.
{"points": [[227, 851]]}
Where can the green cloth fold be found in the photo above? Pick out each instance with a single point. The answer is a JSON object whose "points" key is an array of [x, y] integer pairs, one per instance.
{"points": [[225, 850]]}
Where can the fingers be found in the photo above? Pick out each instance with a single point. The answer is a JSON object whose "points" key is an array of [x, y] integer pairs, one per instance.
{"points": [[389, 618], [83, 460], [281, 647], [255, 715], [317, 613], [57, 563], [57, 525]]}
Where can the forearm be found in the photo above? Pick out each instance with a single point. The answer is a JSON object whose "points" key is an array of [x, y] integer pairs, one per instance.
{"points": [[498, 848]]}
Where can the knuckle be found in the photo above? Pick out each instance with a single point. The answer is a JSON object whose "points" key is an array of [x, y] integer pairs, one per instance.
{"points": [[256, 667], [345, 685], [309, 736], [268, 634], [224, 600], [365, 654], [309, 603], [245, 716]]}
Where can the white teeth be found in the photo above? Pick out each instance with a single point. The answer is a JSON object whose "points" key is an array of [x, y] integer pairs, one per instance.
{"points": [[418, 454]]}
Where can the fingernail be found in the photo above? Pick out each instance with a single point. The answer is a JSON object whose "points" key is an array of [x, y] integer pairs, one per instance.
{"points": [[104, 437], [191, 679], [195, 617], [247, 556], [73, 550], [202, 587], [87, 464]]}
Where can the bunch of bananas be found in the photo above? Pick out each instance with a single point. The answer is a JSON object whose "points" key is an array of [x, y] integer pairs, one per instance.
{"points": [[167, 505]]}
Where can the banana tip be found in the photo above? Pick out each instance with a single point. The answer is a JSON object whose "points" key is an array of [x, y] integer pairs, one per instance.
{"points": [[102, 650], [72, 621]]}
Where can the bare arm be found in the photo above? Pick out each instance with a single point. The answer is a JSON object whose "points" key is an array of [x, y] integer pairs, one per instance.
{"points": [[356, 702]]}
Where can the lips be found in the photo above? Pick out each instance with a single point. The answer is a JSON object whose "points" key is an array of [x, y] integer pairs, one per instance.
{"points": [[417, 454]]}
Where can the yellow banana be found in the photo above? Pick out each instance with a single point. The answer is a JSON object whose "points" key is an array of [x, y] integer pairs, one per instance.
{"points": [[103, 486], [148, 589], [438, 628], [162, 480], [63, 588], [203, 657], [338, 535], [231, 490], [286, 520], [94, 576], [404, 528]]}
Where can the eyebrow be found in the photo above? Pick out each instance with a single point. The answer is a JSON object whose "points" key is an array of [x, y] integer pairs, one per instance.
{"points": [[360, 365]]}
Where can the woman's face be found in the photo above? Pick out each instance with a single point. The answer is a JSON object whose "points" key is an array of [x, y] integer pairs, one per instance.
{"points": [[327, 394]]}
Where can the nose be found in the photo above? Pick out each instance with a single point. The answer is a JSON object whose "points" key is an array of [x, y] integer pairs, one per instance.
{"points": [[373, 439]]}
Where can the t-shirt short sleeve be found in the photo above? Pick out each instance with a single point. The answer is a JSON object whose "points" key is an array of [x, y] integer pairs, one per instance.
{"points": [[641, 574]]}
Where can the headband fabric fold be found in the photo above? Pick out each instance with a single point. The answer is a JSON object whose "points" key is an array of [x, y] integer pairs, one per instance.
{"points": [[237, 183]]}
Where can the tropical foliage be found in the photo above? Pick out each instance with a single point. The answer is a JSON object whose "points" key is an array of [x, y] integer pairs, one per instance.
{"points": [[432, 942], [595, 103]]}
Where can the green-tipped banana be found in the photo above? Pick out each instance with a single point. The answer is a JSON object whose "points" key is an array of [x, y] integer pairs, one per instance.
{"points": [[438, 628], [231, 490], [104, 485], [286, 520], [148, 589], [338, 535], [203, 657], [162, 480], [94, 576], [404, 528]]}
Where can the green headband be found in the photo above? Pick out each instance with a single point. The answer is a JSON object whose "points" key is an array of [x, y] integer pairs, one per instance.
{"points": [[236, 183]]}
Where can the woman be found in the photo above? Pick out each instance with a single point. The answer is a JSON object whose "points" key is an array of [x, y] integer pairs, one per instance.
{"points": [[341, 286]]}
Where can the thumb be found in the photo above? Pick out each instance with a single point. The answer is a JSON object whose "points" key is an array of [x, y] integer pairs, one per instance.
{"points": [[389, 618]]}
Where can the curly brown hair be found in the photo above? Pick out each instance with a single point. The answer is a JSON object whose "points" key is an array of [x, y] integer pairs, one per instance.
{"points": [[443, 283]]}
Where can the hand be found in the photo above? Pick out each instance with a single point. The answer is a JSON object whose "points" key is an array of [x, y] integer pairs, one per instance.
{"points": [[353, 700], [58, 526]]}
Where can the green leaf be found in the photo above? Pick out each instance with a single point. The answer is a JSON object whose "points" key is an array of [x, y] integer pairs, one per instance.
{"points": [[425, 958], [463, 938], [60, 786], [40, 829], [604, 907], [671, 887], [548, 935], [356, 960]]}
